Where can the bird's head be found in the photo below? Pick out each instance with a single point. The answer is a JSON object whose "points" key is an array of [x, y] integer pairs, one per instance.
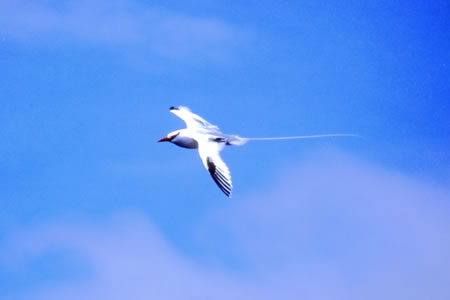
{"points": [[169, 137]]}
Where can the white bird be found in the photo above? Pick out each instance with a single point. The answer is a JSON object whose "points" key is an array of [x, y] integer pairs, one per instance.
{"points": [[209, 140]]}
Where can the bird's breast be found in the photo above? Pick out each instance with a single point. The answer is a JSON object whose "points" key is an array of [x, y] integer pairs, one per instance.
{"points": [[185, 142]]}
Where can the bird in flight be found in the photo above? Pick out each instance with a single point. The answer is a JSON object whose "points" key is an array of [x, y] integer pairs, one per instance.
{"points": [[209, 140]]}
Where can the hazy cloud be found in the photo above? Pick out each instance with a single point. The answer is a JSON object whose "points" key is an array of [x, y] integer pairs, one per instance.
{"points": [[337, 224], [118, 24], [332, 227], [127, 256]]}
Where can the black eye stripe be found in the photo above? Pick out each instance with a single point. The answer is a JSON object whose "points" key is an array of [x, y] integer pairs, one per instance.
{"points": [[175, 136]]}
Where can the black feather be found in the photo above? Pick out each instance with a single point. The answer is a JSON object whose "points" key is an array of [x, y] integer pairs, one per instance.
{"points": [[218, 177]]}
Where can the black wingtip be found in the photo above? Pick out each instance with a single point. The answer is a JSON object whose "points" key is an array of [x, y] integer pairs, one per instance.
{"points": [[173, 108], [218, 178]]}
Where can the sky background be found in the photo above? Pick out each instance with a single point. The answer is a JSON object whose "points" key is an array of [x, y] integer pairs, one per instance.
{"points": [[91, 207]]}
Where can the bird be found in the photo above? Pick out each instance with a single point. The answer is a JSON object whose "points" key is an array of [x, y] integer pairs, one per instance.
{"points": [[209, 140]]}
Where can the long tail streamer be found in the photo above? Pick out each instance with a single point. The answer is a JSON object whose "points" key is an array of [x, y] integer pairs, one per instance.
{"points": [[300, 137]]}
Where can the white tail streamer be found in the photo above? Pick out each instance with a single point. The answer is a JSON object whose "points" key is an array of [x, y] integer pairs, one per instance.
{"points": [[300, 137]]}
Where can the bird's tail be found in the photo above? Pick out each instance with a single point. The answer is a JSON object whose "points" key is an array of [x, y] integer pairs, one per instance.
{"points": [[239, 141], [301, 137]]}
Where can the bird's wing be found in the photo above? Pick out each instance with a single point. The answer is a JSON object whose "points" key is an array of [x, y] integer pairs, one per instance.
{"points": [[192, 120], [209, 153]]}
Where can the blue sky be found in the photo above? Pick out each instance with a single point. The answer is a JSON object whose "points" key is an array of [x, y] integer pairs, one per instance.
{"points": [[93, 207]]}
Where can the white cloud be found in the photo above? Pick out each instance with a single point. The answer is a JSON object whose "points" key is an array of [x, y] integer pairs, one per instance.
{"points": [[118, 24], [333, 227], [128, 257], [373, 232]]}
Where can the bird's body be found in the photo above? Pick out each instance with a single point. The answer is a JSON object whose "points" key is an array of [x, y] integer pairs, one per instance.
{"points": [[209, 140], [185, 139]]}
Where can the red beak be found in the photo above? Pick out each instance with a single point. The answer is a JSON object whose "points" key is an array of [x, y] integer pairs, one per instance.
{"points": [[164, 139]]}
